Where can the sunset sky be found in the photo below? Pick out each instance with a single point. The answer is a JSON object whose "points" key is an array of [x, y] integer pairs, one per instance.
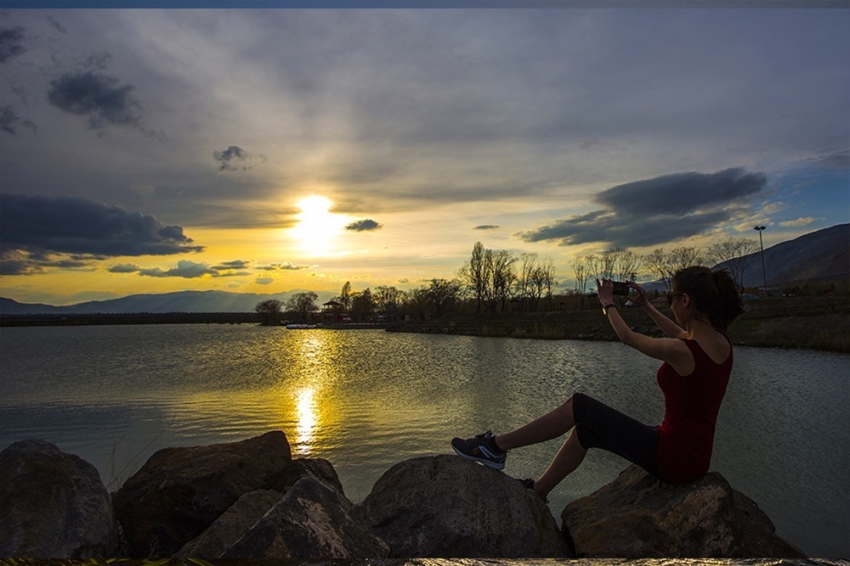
{"points": [[272, 150]]}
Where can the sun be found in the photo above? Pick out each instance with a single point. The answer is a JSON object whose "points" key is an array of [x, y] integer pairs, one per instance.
{"points": [[317, 227]]}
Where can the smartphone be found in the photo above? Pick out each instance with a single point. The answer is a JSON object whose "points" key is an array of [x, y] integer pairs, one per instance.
{"points": [[621, 288]]}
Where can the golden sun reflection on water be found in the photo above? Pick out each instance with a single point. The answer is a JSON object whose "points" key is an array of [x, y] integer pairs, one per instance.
{"points": [[304, 402], [307, 419]]}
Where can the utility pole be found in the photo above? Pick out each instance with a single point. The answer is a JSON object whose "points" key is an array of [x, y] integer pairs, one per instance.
{"points": [[763, 270]]}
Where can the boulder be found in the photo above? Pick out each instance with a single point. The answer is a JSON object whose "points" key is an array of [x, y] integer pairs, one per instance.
{"points": [[231, 526], [315, 468], [311, 522], [52, 505], [179, 492], [637, 516], [447, 507]]}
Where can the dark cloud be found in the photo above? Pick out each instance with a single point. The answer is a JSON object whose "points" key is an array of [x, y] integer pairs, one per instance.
{"points": [[234, 158], [838, 159], [98, 97], [124, 268], [11, 43], [185, 269], [230, 265], [56, 24], [486, 227], [285, 266], [69, 225], [10, 121], [656, 211], [22, 262], [366, 225]]}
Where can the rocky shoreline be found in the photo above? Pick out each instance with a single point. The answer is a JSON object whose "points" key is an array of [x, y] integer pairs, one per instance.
{"points": [[251, 501]]}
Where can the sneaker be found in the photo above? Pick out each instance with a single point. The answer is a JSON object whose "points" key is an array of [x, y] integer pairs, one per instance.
{"points": [[482, 449]]}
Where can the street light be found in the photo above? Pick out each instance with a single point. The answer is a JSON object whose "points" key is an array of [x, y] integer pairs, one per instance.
{"points": [[761, 246]]}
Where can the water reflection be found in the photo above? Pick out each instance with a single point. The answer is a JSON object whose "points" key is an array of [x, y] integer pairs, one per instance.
{"points": [[307, 420]]}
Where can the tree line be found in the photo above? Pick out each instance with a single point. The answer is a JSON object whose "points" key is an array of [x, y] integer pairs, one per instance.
{"points": [[500, 280]]}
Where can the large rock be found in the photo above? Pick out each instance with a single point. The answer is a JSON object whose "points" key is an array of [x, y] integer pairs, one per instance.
{"points": [[316, 468], [637, 516], [179, 492], [231, 526], [311, 522], [250, 508], [445, 506], [52, 505]]}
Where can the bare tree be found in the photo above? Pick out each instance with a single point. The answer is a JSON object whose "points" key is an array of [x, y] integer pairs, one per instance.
{"points": [[489, 276], [388, 299], [581, 271], [475, 275], [664, 264], [657, 263], [269, 312], [736, 255], [345, 296], [501, 262], [302, 304], [444, 295], [362, 305]]}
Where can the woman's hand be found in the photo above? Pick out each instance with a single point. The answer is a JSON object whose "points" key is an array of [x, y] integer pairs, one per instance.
{"points": [[605, 291], [640, 300]]}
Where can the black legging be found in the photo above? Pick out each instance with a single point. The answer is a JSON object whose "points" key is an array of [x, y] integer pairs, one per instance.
{"points": [[600, 426]]}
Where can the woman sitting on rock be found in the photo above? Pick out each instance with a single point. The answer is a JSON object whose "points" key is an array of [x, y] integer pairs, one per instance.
{"points": [[697, 357]]}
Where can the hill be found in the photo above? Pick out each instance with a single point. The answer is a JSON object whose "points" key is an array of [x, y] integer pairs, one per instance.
{"points": [[182, 301], [824, 254]]}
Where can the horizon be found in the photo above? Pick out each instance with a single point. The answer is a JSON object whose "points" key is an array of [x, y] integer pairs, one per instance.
{"points": [[266, 152]]}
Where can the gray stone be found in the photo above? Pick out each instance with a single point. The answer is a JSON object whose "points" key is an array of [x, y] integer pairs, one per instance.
{"points": [[52, 505], [315, 468], [445, 506], [310, 522], [231, 526], [180, 492], [637, 516]]}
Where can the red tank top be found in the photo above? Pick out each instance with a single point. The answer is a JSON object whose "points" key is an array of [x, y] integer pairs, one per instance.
{"points": [[691, 404]]}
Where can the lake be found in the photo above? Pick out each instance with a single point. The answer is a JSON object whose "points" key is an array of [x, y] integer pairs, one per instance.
{"points": [[367, 399]]}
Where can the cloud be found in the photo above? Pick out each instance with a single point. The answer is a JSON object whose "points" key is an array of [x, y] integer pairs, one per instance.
{"points": [[264, 280], [9, 120], [22, 262], [11, 43], [124, 268], [229, 265], [285, 266], [185, 269], [486, 227], [799, 222], [56, 24], [98, 97], [838, 159], [366, 225], [656, 211], [70, 225], [234, 158]]}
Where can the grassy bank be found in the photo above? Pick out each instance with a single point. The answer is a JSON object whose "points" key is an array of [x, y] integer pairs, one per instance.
{"points": [[819, 323]]}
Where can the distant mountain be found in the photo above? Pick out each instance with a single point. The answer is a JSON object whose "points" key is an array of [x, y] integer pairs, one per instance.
{"points": [[824, 254], [819, 255], [183, 301]]}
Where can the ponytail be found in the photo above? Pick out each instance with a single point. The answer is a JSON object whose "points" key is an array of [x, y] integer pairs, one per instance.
{"points": [[714, 293], [730, 305]]}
